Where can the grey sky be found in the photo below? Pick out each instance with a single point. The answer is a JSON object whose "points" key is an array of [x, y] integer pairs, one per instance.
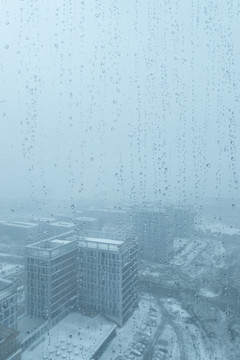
{"points": [[119, 99]]}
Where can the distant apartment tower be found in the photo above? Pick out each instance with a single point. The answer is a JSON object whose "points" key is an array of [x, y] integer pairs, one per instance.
{"points": [[16, 235], [51, 278], [8, 304], [107, 274], [9, 344], [43, 226], [117, 217], [84, 224], [59, 227], [154, 234], [182, 219]]}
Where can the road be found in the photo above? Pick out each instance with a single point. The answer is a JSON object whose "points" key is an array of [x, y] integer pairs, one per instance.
{"points": [[231, 301], [166, 319], [220, 304], [148, 354]]}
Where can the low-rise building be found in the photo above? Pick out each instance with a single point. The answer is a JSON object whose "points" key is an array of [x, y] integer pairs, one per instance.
{"points": [[8, 304], [16, 235], [74, 337], [9, 344]]}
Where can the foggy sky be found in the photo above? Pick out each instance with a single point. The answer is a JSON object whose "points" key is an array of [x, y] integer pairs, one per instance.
{"points": [[119, 99]]}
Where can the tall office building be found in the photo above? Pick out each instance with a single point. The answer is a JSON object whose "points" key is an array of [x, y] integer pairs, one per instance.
{"points": [[117, 217], [107, 273], [59, 227], [9, 344], [8, 304], [51, 278], [154, 233], [182, 219], [84, 224]]}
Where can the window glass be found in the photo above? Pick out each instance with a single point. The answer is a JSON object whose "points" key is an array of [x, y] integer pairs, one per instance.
{"points": [[119, 158]]}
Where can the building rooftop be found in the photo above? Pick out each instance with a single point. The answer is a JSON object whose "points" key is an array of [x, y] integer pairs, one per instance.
{"points": [[7, 269], [75, 337], [113, 211], [86, 218], [102, 244], [45, 219], [20, 224], [62, 224], [7, 288], [151, 209], [104, 241], [51, 248]]}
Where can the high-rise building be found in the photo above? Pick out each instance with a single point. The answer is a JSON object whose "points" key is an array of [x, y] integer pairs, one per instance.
{"points": [[43, 224], [8, 304], [154, 234], [182, 219], [51, 278], [116, 217], [107, 272], [59, 227], [85, 224], [9, 344]]}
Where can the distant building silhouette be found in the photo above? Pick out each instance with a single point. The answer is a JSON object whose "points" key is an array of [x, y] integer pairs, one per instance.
{"points": [[154, 234], [182, 220]]}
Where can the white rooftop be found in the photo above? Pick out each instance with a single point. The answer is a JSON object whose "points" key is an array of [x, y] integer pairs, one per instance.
{"points": [[105, 241], [62, 223], [45, 219], [85, 218], [7, 269], [75, 337], [20, 224], [60, 242]]}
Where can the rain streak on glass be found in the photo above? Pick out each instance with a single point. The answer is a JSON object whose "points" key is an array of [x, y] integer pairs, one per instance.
{"points": [[119, 154]]}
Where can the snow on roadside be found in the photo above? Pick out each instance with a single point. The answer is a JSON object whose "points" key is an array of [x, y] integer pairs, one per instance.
{"points": [[135, 324]]}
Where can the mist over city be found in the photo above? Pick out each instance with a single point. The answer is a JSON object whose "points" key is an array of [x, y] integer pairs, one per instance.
{"points": [[119, 186]]}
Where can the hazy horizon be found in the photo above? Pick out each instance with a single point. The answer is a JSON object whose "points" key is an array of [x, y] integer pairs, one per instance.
{"points": [[119, 100]]}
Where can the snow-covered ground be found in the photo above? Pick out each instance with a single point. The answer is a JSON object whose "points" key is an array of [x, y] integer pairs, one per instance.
{"points": [[187, 252], [205, 252], [219, 228], [208, 293], [196, 343], [145, 319]]}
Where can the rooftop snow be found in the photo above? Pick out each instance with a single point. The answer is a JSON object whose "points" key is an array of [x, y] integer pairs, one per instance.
{"points": [[85, 218], [62, 224], [104, 241], [76, 336]]}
